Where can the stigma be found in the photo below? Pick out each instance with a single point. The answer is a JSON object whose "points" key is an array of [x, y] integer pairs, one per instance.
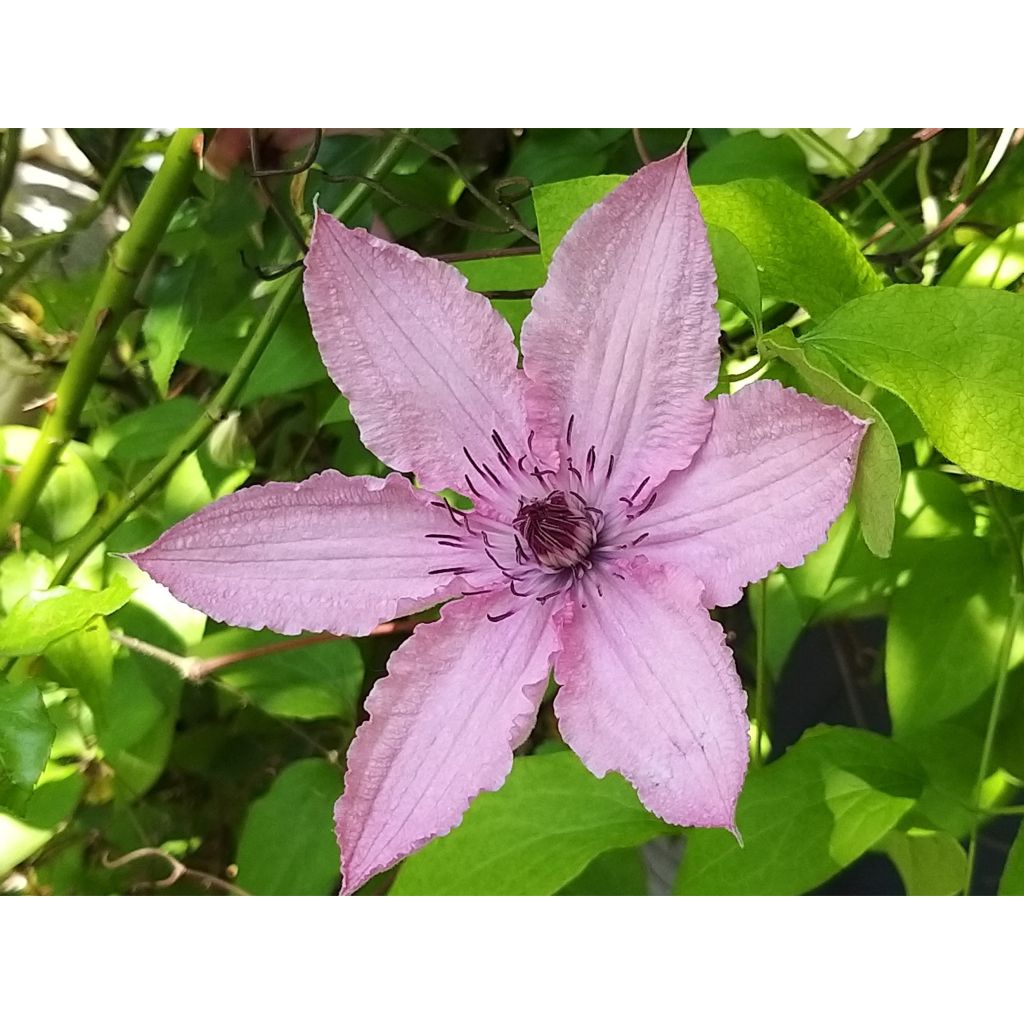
{"points": [[560, 530]]}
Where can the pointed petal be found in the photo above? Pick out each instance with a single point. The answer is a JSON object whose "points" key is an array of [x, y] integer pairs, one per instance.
{"points": [[624, 335], [332, 554], [459, 695], [427, 366], [774, 475], [648, 688]]}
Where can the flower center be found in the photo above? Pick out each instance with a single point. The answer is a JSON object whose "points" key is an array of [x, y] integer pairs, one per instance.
{"points": [[560, 529]]}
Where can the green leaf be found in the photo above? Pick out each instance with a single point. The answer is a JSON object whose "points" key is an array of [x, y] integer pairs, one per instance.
{"points": [[751, 155], [615, 873], [737, 276], [930, 863], [71, 493], [989, 262], [559, 205], [26, 733], [1012, 882], [802, 254], [945, 628], [84, 661], [533, 836], [287, 846], [147, 433], [949, 754], [53, 801], [955, 356], [39, 619], [136, 724], [320, 681], [504, 273], [805, 817], [876, 487], [175, 310]]}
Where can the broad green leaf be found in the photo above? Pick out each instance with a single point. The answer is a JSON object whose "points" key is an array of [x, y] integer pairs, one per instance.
{"points": [[944, 632], [802, 254], [515, 311], [26, 733], [504, 273], [989, 263], [53, 801], [737, 276], [805, 817], [199, 479], [929, 863], [876, 486], [39, 619], [287, 846], [949, 754], [290, 361], [559, 205], [320, 681], [1012, 882], [955, 356], [751, 155], [615, 873], [147, 433], [175, 310], [21, 572], [533, 836], [84, 661], [71, 493], [135, 725]]}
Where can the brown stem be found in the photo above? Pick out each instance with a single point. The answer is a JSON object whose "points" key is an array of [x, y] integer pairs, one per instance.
{"points": [[840, 188], [178, 870], [195, 670]]}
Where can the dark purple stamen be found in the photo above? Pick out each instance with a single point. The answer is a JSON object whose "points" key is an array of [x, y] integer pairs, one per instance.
{"points": [[557, 529], [647, 508], [643, 484], [503, 615]]}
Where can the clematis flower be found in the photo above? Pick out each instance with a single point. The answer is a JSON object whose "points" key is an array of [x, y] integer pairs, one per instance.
{"points": [[613, 506]]}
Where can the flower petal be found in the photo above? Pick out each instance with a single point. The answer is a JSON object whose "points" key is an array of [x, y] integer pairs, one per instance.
{"points": [[332, 554], [774, 475], [427, 366], [459, 696], [648, 688], [623, 337]]}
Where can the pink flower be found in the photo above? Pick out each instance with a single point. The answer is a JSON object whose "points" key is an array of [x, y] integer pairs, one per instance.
{"points": [[613, 506]]}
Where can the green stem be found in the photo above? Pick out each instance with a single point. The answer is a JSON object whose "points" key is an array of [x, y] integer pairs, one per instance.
{"points": [[8, 163], [32, 249], [1013, 623], [113, 299], [761, 693], [223, 402], [735, 378]]}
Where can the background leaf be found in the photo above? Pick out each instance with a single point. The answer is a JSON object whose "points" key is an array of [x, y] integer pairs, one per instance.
{"points": [[537, 833], [804, 818], [955, 356], [287, 846], [26, 733], [36, 621]]}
